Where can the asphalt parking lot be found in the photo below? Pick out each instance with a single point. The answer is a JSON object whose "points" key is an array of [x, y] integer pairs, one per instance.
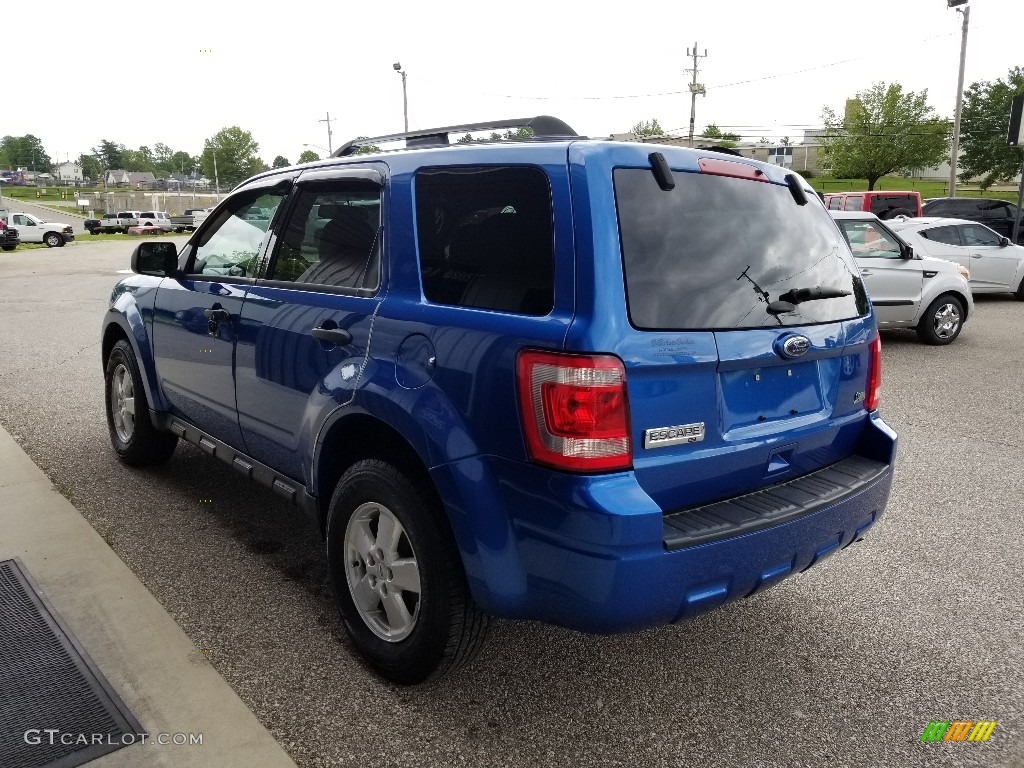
{"points": [[843, 665]]}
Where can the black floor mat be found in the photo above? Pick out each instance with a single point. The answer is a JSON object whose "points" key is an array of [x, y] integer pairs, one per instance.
{"points": [[56, 709]]}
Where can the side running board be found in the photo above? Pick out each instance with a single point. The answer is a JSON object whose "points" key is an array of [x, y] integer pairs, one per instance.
{"points": [[245, 465]]}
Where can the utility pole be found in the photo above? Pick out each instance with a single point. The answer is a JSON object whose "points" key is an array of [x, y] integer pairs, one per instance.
{"points": [[330, 150], [695, 87], [955, 147]]}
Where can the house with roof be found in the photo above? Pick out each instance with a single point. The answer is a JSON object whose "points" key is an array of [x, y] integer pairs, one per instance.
{"points": [[132, 179]]}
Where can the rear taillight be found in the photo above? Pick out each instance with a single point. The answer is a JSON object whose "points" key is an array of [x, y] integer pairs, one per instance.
{"points": [[874, 391], [574, 411]]}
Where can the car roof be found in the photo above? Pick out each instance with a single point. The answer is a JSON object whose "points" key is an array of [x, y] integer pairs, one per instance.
{"points": [[868, 215], [927, 222]]}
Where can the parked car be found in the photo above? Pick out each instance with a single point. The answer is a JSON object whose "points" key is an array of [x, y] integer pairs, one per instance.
{"points": [[996, 265], [92, 226], [32, 229], [552, 379], [885, 205], [9, 238], [160, 219], [997, 215], [907, 290], [187, 221]]}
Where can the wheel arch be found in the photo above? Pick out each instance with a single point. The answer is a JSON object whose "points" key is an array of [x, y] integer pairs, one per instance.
{"points": [[356, 437], [129, 327]]}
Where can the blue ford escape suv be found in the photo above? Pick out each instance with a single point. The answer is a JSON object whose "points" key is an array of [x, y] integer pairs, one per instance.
{"points": [[561, 379]]}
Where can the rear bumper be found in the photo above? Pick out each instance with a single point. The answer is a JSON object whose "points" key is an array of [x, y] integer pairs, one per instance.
{"points": [[592, 553]]}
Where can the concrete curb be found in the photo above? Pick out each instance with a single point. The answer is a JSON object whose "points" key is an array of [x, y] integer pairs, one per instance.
{"points": [[165, 681]]}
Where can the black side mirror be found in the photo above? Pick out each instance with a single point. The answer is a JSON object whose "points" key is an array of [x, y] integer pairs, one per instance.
{"points": [[906, 251], [1003, 242], [157, 259]]}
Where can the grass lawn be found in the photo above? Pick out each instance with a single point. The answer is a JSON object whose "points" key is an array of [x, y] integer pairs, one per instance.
{"points": [[927, 188], [52, 193], [87, 238]]}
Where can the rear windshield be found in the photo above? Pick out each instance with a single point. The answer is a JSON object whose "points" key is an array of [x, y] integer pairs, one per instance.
{"points": [[715, 252], [882, 204]]}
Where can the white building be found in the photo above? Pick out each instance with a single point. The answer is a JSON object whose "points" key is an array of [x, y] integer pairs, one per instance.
{"points": [[69, 172]]}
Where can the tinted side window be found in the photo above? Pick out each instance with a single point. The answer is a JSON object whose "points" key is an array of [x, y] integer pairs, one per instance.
{"points": [[854, 203], [232, 244], [332, 236], [485, 238], [835, 203], [967, 209], [882, 204], [976, 234], [947, 235]]}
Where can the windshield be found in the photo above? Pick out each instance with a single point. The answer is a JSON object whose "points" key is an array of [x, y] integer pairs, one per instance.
{"points": [[721, 253]]}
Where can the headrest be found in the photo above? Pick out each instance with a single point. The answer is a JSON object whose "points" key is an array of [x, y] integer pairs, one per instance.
{"points": [[504, 242], [347, 231]]}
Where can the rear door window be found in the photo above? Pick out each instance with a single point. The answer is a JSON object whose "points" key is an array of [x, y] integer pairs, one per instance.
{"points": [[688, 266], [835, 203], [947, 235], [854, 203]]}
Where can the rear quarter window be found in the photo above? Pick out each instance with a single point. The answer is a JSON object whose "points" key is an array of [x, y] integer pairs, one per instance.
{"points": [[715, 251], [485, 238]]}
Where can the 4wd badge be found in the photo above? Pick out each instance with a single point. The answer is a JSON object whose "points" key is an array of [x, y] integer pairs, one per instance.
{"points": [[662, 437]]}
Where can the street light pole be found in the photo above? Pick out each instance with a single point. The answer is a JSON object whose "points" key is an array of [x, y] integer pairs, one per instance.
{"points": [[405, 99], [955, 146], [216, 178]]}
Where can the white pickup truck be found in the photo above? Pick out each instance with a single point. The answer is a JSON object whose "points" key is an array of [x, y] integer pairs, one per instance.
{"points": [[32, 229]]}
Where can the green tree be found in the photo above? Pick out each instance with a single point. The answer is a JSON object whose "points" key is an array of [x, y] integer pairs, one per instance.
{"points": [[984, 122], [109, 154], [237, 157], [25, 152], [140, 159], [182, 162], [883, 131], [280, 162], [647, 128], [308, 156], [90, 167], [519, 133], [711, 132]]}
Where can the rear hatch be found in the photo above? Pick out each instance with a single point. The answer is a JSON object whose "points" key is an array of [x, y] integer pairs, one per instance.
{"points": [[749, 335]]}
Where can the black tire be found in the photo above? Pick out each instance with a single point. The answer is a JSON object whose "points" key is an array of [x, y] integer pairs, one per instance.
{"points": [[445, 630], [9, 247], [53, 240], [1019, 293], [897, 212], [942, 322], [142, 443]]}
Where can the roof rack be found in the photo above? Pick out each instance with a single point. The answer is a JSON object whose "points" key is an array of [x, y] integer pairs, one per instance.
{"points": [[543, 126]]}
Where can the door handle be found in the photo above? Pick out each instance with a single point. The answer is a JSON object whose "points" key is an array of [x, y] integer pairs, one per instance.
{"points": [[338, 336], [217, 315]]}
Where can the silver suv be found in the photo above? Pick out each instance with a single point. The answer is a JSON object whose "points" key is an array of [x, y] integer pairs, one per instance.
{"points": [[932, 296]]}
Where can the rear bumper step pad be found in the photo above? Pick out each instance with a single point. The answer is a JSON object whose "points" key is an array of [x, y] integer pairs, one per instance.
{"points": [[773, 505]]}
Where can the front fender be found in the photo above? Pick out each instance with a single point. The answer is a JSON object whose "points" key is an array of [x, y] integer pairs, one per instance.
{"points": [[131, 311]]}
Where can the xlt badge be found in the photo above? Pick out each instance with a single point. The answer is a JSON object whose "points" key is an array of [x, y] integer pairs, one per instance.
{"points": [[662, 437]]}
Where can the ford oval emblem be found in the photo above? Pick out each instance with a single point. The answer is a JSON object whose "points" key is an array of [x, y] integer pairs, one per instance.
{"points": [[793, 346]]}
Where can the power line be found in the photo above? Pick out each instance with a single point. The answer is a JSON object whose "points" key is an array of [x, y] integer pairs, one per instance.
{"points": [[678, 93]]}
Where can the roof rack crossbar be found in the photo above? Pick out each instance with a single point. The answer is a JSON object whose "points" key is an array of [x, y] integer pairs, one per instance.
{"points": [[543, 126]]}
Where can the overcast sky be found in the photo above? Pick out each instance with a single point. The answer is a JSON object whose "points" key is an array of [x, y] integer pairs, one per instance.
{"points": [[178, 72]]}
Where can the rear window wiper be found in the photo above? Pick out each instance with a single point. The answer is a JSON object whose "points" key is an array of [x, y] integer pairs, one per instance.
{"points": [[800, 295]]}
